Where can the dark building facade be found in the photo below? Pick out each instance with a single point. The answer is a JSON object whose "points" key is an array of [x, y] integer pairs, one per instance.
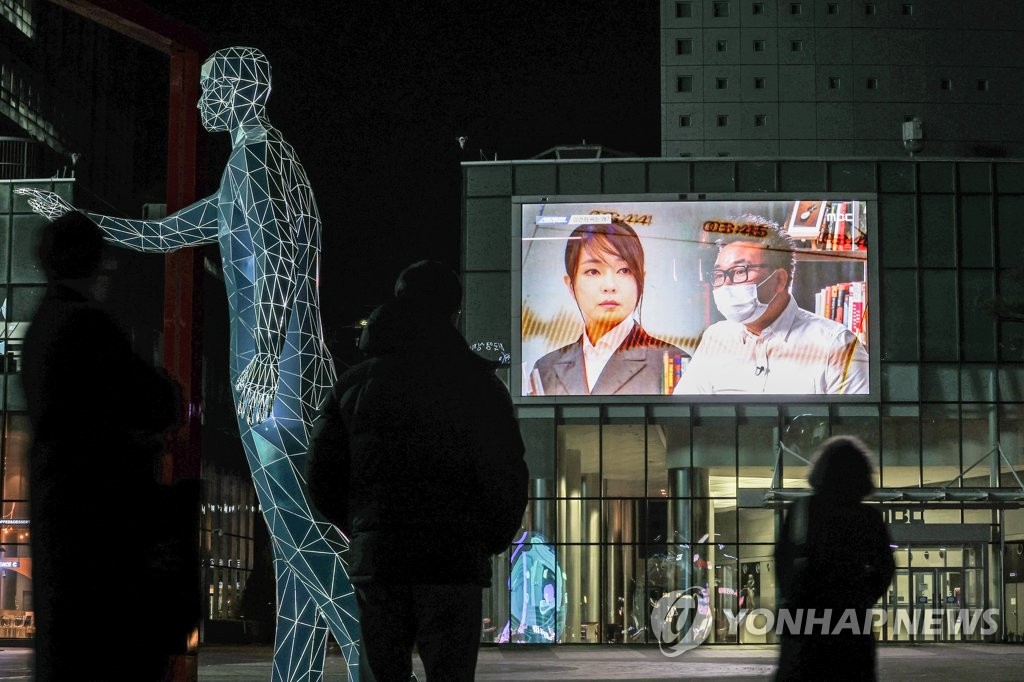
{"points": [[840, 77], [636, 496]]}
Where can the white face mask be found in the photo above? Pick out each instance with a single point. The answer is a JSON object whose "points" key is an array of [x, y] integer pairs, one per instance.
{"points": [[739, 302]]}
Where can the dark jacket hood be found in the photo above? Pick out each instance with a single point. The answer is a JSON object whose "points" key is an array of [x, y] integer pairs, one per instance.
{"points": [[397, 327]]}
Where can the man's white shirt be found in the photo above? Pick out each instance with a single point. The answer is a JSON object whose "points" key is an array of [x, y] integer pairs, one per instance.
{"points": [[799, 353]]}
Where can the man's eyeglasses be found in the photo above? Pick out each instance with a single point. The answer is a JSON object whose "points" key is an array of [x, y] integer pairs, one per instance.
{"points": [[738, 274]]}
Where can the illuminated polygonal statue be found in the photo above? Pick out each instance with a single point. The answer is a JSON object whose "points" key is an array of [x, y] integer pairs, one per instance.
{"points": [[266, 222]]}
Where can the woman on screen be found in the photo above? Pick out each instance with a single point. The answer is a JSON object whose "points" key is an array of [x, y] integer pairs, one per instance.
{"points": [[604, 271]]}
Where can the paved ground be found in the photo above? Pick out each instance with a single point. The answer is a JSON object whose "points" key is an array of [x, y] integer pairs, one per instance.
{"points": [[978, 662]]}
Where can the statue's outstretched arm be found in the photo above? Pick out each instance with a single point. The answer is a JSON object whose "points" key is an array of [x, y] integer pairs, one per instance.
{"points": [[262, 198], [192, 225]]}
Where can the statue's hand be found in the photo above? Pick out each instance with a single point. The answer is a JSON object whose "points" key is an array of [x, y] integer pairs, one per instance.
{"points": [[257, 388], [46, 204]]}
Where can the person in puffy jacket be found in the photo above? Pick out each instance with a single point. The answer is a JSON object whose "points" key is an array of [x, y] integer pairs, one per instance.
{"points": [[418, 459]]}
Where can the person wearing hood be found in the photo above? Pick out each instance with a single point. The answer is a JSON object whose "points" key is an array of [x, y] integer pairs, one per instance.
{"points": [[418, 459]]}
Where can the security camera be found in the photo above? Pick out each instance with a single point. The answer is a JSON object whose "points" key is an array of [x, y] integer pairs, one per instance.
{"points": [[913, 135], [462, 140]]}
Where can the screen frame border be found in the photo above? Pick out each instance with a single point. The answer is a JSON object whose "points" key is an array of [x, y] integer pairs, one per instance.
{"points": [[516, 307]]}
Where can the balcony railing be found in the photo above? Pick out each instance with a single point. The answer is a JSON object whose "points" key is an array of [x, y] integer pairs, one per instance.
{"points": [[19, 158]]}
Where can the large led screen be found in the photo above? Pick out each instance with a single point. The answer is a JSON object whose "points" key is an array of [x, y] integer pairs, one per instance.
{"points": [[763, 297]]}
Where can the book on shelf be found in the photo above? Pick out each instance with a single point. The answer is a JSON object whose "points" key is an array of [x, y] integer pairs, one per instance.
{"points": [[674, 366], [847, 304]]}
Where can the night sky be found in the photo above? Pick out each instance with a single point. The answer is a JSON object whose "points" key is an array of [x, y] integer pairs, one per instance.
{"points": [[373, 96]]}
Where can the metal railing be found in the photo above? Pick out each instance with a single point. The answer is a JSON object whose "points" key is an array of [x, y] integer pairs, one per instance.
{"points": [[19, 158]]}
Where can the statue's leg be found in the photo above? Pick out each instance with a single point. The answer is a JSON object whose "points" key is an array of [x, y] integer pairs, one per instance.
{"points": [[307, 550], [300, 643]]}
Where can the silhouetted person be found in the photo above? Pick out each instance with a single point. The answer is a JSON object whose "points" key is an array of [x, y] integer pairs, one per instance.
{"points": [[833, 553], [265, 221], [418, 458], [97, 412]]}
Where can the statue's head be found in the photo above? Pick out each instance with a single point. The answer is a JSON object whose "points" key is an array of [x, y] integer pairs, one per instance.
{"points": [[235, 84]]}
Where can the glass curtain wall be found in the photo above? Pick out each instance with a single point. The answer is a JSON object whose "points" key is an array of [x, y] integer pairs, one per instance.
{"points": [[630, 503]]}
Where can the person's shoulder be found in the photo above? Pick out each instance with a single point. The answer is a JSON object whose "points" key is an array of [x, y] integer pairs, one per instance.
{"points": [[78, 315], [355, 375], [558, 355], [718, 330], [720, 327], [639, 338], [480, 363], [820, 325], [870, 511]]}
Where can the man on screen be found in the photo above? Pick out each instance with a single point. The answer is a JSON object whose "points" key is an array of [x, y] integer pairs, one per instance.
{"points": [[768, 344]]}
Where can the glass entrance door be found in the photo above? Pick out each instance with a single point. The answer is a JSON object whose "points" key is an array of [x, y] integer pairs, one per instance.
{"points": [[932, 590], [937, 595]]}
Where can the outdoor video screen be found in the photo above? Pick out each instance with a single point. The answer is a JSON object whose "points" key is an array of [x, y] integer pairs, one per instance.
{"points": [[764, 297]]}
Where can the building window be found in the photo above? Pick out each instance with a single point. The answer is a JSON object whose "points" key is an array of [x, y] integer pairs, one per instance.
{"points": [[722, 45], [19, 13], [795, 8], [757, 8], [684, 46], [722, 120], [760, 120], [684, 10], [833, 8], [872, 83], [684, 121], [758, 46], [908, 10], [796, 46], [721, 83], [870, 9], [758, 83], [946, 84], [833, 82], [684, 83], [720, 9], [982, 84]]}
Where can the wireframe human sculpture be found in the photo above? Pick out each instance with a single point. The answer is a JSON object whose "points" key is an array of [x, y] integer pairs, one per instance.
{"points": [[266, 222]]}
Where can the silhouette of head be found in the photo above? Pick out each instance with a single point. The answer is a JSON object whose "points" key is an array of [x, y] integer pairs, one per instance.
{"points": [[841, 469], [235, 86], [431, 287], [70, 247]]}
